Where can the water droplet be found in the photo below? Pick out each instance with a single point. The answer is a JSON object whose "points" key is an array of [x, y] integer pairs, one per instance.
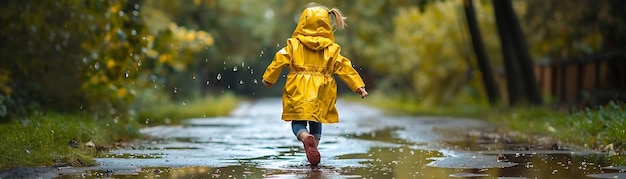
{"points": [[147, 120], [207, 82], [184, 103], [127, 74], [52, 131], [81, 107], [242, 64], [228, 86], [115, 120], [133, 32], [284, 76], [97, 66], [219, 77], [277, 44], [175, 90], [235, 69], [255, 81], [252, 71], [193, 77], [240, 82]]}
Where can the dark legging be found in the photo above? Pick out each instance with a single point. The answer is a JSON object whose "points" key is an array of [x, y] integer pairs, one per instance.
{"points": [[300, 126]]}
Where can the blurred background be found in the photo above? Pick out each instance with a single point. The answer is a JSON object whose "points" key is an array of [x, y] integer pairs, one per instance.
{"points": [[117, 57]]}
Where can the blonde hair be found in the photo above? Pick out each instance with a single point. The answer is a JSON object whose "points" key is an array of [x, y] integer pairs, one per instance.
{"points": [[340, 20]]}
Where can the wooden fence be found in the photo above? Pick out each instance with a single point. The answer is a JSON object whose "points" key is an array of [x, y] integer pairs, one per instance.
{"points": [[594, 79]]}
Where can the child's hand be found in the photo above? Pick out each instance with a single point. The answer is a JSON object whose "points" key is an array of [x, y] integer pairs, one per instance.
{"points": [[362, 92], [267, 84]]}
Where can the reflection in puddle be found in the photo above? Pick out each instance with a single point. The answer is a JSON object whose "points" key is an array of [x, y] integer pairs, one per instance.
{"points": [[132, 156], [184, 172], [381, 153]]}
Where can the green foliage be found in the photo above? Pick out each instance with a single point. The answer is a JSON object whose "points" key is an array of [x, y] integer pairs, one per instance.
{"points": [[68, 54], [572, 29], [39, 139], [432, 59]]}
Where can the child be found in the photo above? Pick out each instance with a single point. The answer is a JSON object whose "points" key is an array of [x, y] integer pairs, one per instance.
{"points": [[310, 91]]}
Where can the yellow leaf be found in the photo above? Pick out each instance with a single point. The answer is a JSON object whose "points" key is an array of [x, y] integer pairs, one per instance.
{"points": [[190, 36], [116, 7], [107, 37], [122, 92], [110, 63], [163, 58]]}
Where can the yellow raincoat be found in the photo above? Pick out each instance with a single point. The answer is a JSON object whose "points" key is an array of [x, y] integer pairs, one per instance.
{"points": [[312, 57]]}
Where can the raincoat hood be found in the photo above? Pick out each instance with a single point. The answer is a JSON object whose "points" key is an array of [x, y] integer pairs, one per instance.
{"points": [[314, 29]]}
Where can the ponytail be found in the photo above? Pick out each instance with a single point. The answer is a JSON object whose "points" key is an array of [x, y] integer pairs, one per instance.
{"points": [[340, 20]]}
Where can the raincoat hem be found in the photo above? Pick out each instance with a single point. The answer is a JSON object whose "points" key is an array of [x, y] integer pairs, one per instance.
{"points": [[307, 117]]}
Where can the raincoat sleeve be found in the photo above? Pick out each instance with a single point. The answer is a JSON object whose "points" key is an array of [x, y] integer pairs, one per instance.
{"points": [[281, 60], [348, 74]]}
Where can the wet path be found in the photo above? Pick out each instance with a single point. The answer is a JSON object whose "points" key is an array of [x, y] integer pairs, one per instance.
{"points": [[254, 143]]}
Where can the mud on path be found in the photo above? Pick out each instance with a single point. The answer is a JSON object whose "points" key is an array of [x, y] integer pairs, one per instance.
{"points": [[254, 143]]}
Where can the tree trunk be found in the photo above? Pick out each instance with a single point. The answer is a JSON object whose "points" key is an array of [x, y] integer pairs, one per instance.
{"points": [[493, 94], [524, 61], [510, 67]]}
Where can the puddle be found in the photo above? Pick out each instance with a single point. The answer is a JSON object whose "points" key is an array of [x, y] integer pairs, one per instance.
{"points": [[185, 172], [255, 143], [133, 156]]}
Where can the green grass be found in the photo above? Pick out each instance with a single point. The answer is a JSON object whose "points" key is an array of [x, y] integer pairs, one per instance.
{"points": [[42, 140], [174, 113], [596, 127], [593, 127]]}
